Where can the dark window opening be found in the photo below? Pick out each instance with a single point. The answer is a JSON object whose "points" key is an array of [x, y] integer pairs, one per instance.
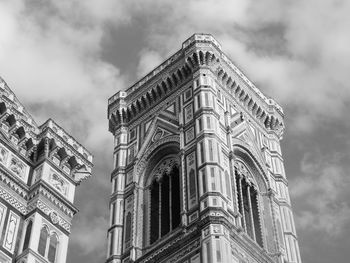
{"points": [[247, 214], [154, 212], [256, 218], [165, 205]]}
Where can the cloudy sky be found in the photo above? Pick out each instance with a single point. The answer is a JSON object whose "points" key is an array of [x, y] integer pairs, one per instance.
{"points": [[64, 59]]}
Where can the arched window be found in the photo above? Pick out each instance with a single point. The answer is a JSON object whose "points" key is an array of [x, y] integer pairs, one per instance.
{"points": [[28, 234], [165, 206], [248, 202], [44, 233], [48, 244], [52, 248]]}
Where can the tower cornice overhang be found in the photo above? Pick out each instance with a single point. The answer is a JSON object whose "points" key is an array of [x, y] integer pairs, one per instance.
{"points": [[198, 51]]}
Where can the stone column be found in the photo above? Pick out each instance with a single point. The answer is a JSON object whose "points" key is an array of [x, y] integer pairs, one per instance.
{"points": [[251, 211]]}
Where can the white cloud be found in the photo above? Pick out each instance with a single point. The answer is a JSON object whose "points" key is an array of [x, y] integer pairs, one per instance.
{"points": [[149, 59], [311, 71], [48, 58]]}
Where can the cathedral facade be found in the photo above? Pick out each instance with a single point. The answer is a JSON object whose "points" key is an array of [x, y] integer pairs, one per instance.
{"points": [[198, 170], [40, 167]]}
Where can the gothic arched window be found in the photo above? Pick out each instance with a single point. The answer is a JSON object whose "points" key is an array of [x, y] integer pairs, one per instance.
{"points": [[164, 193], [248, 203], [48, 244], [52, 248], [28, 234], [44, 233]]}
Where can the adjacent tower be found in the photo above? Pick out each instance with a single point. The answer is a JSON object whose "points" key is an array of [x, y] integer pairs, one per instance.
{"points": [[40, 167], [198, 170]]}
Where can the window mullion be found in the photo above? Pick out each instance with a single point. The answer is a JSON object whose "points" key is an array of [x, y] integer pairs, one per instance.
{"points": [[160, 209], [47, 245], [149, 214], [250, 211], [170, 205], [242, 202]]}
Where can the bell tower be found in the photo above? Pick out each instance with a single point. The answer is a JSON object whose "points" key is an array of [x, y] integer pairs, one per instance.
{"points": [[198, 170], [40, 168]]}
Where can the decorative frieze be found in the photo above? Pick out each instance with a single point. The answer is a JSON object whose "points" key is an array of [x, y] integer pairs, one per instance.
{"points": [[58, 183], [12, 201], [52, 214]]}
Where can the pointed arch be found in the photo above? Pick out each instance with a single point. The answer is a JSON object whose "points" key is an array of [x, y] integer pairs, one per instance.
{"points": [[138, 105], [254, 160], [229, 81], [11, 120], [20, 132], [158, 90], [191, 63], [195, 58], [201, 57], [170, 84], [165, 88], [208, 56], [237, 91], [44, 235], [53, 248], [3, 108], [187, 70], [179, 74], [62, 153], [144, 102], [149, 98], [154, 95], [224, 77], [174, 79]]}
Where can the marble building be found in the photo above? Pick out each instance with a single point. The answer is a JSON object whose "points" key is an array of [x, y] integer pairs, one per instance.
{"points": [[198, 170], [40, 168]]}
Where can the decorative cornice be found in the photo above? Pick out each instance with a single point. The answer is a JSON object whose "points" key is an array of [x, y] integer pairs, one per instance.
{"points": [[15, 185], [200, 50]]}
